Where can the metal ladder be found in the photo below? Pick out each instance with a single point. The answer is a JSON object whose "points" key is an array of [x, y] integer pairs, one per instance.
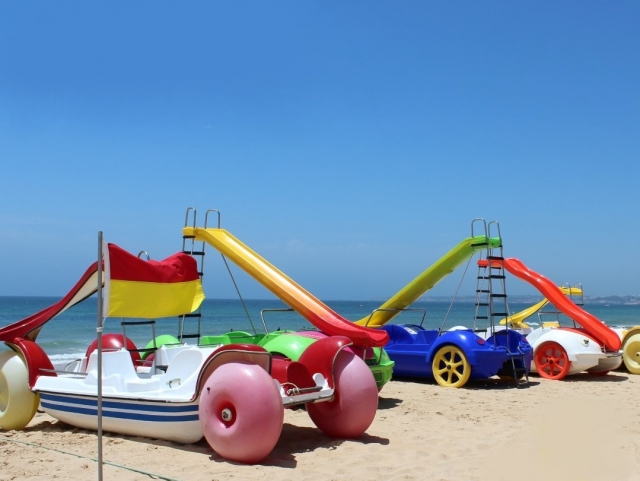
{"points": [[149, 322], [491, 300], [197, 252]]}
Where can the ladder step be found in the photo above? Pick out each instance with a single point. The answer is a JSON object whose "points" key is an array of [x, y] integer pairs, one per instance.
{"points": [[481, 317], [498, 295], [192, 315], [190, 336], [495, 258], [194, 253], [497, 276], [483, 290], [501, 314], [482, 304], [133, 323]]}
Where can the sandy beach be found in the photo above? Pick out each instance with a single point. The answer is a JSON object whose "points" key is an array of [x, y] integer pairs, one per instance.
{"points": [[582, 428]]}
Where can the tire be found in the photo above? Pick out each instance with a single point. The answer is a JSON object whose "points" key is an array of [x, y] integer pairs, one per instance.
{"points": [[241, 412], [18, 404], [450, 367], [355, 402], [552, 361], [631, 354]]}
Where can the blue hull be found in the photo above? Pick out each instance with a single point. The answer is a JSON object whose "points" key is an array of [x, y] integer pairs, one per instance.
{"points": [[413, 349]]}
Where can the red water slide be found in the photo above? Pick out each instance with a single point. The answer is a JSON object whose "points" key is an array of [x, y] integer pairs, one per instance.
{"points": [[591, 324], [29, 328]]}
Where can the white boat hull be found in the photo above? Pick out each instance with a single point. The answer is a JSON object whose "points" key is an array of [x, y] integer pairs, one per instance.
{"points": [[160, 420]]}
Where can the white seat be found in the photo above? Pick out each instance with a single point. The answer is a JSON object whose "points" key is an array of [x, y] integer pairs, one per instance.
{"points": [[185, 364]]}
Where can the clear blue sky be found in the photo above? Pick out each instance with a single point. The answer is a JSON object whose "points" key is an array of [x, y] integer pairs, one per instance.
{"points": [[349, 143]]}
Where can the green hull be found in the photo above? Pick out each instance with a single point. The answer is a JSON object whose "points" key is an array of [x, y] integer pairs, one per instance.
{"points": [[293, 346]]}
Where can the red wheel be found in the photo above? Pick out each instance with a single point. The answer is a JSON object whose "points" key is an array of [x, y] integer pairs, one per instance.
{"points": [[241, 412], [355, 401], [552, 361]]}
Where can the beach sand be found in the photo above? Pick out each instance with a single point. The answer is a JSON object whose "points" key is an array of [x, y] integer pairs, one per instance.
{"points": [[582, 428]]}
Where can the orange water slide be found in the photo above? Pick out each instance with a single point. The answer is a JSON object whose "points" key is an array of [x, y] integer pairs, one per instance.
{"points": [[591, 324], [300, 300]]}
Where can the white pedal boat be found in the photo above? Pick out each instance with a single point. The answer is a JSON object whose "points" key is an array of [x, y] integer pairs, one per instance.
{"points": [[233, 395], [562, 351]]}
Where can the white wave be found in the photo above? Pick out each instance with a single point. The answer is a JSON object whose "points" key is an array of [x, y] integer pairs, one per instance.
{"points": [[59, 361]]}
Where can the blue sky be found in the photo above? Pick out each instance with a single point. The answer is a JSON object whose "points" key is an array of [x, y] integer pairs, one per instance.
{"points": [[349, 143]]}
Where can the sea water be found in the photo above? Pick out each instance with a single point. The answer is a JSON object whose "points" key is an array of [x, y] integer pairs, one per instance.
{"points": [[68, 336]]}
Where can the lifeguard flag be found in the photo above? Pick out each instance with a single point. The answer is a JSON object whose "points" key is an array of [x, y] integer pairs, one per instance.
{"points": [[139, 288]]}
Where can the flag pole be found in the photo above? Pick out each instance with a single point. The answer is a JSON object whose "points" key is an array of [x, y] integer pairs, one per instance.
{"points": [[99, 332]]}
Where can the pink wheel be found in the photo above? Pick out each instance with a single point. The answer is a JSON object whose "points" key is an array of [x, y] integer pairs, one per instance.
{"points": [[552, 361], [241, 412], [355, 401]]}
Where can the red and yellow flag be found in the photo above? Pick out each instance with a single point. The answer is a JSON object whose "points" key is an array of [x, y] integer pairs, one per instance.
{"points": [[139, 288]]}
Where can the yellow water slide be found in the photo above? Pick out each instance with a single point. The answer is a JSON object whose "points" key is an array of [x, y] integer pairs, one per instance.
{"points": [[429, 278], [300, 300]]}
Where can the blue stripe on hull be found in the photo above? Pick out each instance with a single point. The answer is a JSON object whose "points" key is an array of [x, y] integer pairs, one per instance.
{"points": [[119, 414], [133, 410]]}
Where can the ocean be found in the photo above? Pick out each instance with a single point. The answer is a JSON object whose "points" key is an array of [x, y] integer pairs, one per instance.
{"points": [[67, 337]]}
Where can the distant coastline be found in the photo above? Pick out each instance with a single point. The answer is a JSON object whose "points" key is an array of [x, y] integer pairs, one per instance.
{"points": [[604, 300], [524, 299]]}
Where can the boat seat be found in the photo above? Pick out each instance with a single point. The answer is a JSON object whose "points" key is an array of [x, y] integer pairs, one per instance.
{"points": [[398, 335], [185, 364], [291, 373], [117, 370], [427, 336], [166, 353], [113, 363]]}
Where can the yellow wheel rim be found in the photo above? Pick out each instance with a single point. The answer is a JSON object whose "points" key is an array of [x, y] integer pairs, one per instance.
{"points": [[631, 354], [450, 367]]}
